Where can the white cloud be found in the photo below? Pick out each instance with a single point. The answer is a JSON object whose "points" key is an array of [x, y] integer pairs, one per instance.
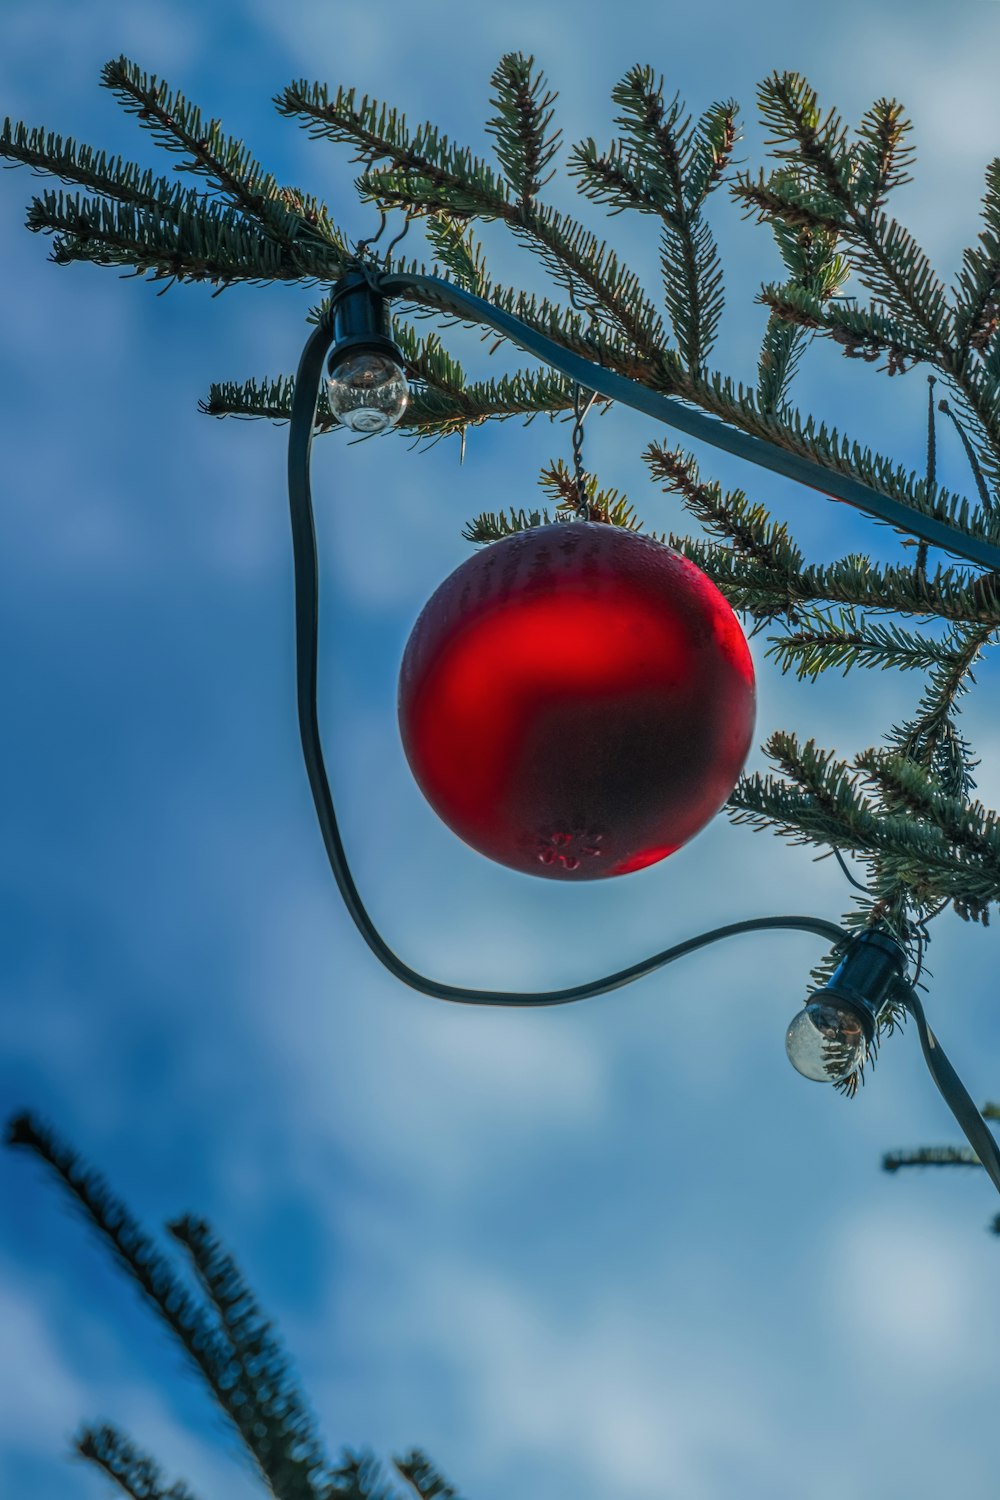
{"points": [[910, 1286]]}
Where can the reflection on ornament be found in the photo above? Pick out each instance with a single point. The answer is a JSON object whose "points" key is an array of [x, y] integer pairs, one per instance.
{"points": [[576, 701]]}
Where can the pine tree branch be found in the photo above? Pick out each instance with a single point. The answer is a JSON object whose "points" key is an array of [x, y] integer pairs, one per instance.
{"points": [[822, 641], [113, 177], [815, 267], [730, 515], [881, 157], [285, 1430], [284, 214], [782, 197], [424, 1480], [861, 332], [359, 1477], [135, 1474], [441, 402], [459, 254], [197, 241], [765, 590], [906, 785], [521, 126], [931, 1156], [658, 165], [933, 739], [426, 174], [978, 284], [380, 134], [781, 350], [200, 1339], [888, 261], [559, 483], [822, 803]]}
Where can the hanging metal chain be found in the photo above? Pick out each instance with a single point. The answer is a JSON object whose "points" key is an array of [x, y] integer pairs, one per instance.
{"points": [[584, 509]]}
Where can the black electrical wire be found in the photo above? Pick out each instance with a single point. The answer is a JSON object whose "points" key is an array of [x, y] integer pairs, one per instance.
{"points": [[306, 569], [955, 1094], [304, 400]]}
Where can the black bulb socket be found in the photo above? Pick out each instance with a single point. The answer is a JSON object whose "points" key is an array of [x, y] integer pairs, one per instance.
{"points": [[361, 322], [865, 978]]}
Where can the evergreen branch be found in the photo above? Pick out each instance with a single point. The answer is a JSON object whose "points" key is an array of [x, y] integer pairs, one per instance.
{"points": [[197, 241], [933, 739], [831, 812], [609, 506], [427, 175], [424, 1480], [428, 192], [265, 399], [359, 1477], [379, 134], [586, 268], [177, 125], [784, 198], [715, 137], [931, 1156], [821, 642], [978, 285], [908, 787], [689, 261], [693, 287], [440, 403], [658, 166], [890, 264], [829, 781], [656, 136], [862, 332], [565, 329], [521, 126], [881, 159], [556, 479], [896, 271], [800, 133], [615, 177], [822, 803], [285, 1431], [811, 258], [458, 251], [114, 177], [133, 1472], [970, 454], [738, 405], [781, 350], [200, 1339], [731, 515], [578, 262], [492, 526], [765, 802], [948, 593]]}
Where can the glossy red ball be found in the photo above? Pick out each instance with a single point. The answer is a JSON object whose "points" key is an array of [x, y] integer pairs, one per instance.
{"points": [[576, 701]]}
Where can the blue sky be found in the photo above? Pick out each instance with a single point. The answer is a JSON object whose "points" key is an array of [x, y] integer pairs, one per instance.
{"points": [[617, 1248]]}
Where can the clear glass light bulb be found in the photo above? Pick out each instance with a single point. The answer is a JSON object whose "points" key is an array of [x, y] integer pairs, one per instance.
{"points": [[825, 1042], [367, 391]]}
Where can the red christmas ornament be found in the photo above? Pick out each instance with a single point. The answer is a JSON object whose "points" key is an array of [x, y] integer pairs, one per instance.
{"points": [[576, 701]]}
